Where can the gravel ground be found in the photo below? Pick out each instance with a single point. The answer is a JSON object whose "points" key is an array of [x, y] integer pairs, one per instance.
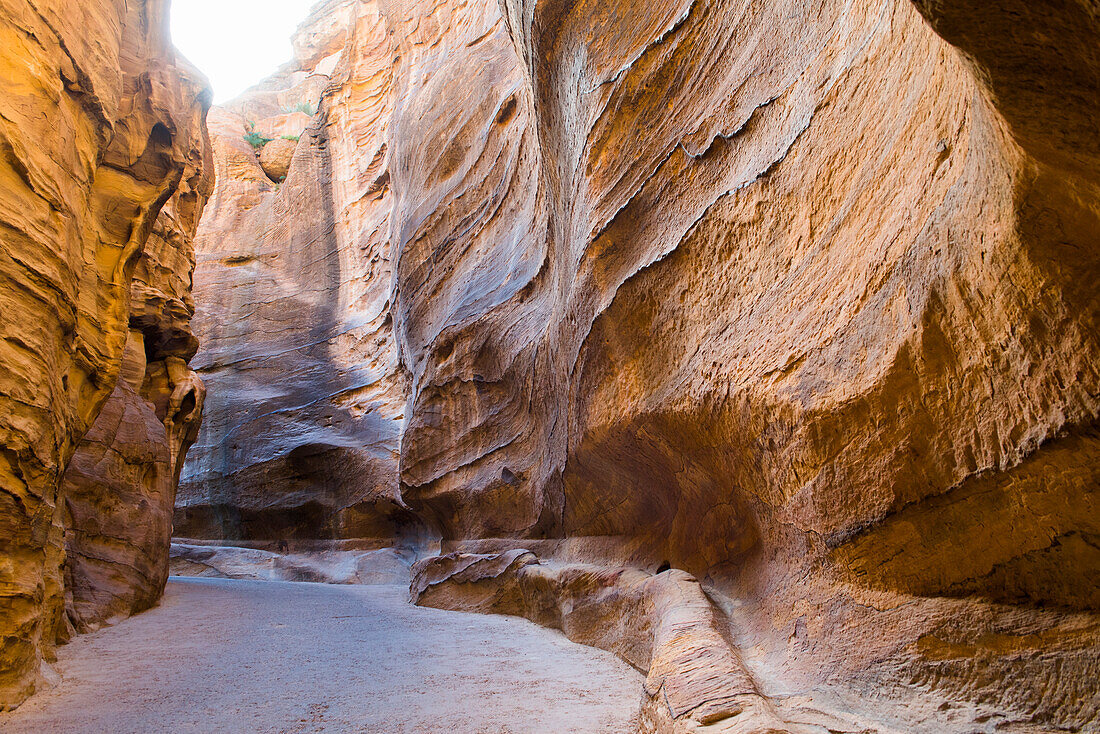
{"points": [[253, 656]]}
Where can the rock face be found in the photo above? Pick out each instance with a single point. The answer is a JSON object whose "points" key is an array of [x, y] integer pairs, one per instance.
{"points": [[799, 298], [300, 434], [102, 148], [120, 487]]}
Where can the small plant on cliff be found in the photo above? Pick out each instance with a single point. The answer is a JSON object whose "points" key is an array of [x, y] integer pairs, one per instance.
{"points": [[304, 107], [255, 139], [291, 137]]}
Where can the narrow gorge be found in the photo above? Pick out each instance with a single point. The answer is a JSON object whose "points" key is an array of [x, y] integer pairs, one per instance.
{"points": [[752, 345]]}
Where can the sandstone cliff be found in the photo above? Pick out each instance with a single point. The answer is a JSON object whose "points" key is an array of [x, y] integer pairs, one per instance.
{"points": [[300, 435], [800, 298], [100, 128], [119, 489]]}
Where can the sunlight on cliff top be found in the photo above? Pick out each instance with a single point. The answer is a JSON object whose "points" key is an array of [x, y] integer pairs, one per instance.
{"points": [[236, 43]]}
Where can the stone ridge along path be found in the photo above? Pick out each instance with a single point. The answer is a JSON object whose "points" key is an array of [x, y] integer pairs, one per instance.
{"points": [[249, 656]]}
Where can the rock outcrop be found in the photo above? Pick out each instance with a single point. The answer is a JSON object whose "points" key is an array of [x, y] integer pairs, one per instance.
{"points": [[798, 298], [275, 158], [662, 623], [360, 567], [100, 128]]}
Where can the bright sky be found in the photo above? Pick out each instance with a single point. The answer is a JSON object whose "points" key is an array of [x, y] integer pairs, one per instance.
{"points": [[236, 43]]}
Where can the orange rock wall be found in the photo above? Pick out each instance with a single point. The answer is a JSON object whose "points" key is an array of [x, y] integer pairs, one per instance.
{"points": [[740, 318], [120, 487], [98, 131]]}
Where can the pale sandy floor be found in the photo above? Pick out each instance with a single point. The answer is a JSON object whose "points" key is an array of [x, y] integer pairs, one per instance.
{"points": [[252, 656]]}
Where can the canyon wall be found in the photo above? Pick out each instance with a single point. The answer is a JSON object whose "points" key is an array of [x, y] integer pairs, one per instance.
{"points": [[119, 488], [301, 431], [102, 149], [800, 298]]}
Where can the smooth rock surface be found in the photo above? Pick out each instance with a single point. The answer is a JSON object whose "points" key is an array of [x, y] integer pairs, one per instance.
{"points": [[275, 158], [118, 499], [300, 434], [661, 623], [277, 657]]}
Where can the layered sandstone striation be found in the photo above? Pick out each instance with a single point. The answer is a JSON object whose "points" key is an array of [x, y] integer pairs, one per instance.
{"points": [[799, 298], [102, 149]]}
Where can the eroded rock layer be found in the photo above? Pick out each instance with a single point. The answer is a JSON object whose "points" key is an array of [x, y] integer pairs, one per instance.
{"points": [[800, 298], [100, 128]]}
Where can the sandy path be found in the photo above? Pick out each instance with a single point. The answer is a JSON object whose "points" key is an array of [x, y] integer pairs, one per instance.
{"points": [[245, 656]]}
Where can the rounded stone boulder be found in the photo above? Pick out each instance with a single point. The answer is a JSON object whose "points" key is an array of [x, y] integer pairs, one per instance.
{"points": [[275, 158]]}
